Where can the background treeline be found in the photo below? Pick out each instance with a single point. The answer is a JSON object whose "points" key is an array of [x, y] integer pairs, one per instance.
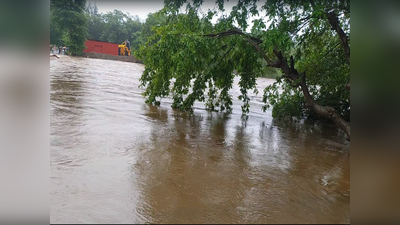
{"points": [[114, 27]]}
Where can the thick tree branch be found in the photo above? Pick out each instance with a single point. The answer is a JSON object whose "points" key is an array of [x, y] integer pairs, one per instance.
{"points": [[225, 33], [334, 22], [295, 78], [234, 32], [266, 58], [252, 40], [348, 87], [300, 81], [291, 62]]}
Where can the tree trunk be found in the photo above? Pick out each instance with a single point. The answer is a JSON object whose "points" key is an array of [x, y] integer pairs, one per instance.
{"points": [[325, 111], [299, 80], [334, 22]]}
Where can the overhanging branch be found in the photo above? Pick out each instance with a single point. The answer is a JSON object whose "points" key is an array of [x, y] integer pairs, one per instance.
{"points": [[266, 58], [294, 77], [234, 32], [225, 33], [252, 40], [334, 22]]}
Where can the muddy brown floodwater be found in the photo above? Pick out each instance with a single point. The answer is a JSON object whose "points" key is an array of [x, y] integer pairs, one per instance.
{"points": [[115, 159]]}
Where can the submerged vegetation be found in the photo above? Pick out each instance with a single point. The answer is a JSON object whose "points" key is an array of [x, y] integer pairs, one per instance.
{"points": [[308, 42]]}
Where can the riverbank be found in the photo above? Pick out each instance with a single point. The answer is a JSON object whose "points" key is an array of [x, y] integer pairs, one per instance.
{"points": [[95, 55]]}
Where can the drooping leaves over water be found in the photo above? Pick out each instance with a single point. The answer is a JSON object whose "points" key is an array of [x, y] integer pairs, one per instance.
{"points": [[202, 66], [309, 41]]}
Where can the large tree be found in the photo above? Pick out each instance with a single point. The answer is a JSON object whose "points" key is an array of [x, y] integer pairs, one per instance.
{"points": [[71, 20], [307, 40], [119, 26], [96, 25], [56, 35]]}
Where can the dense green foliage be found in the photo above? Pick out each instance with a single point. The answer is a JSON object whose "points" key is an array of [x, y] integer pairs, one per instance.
{"points": [[117, 26], [317, 53], [196, 62], [56, 34], [113, 27], [140, 37], [192, 59], [69, 24]]}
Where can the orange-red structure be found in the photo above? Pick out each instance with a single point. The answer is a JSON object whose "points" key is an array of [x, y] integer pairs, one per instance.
{"points": [[101, 47]]}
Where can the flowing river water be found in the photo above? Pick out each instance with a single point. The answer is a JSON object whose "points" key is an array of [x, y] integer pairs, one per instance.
{"points": [[115, 159]]}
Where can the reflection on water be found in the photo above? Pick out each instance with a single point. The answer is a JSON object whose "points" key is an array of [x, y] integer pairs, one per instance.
{"points": [[115, 159]]}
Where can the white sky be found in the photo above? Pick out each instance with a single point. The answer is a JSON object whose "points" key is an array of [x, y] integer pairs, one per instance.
{"points": [[133, 7], [143, 7]]}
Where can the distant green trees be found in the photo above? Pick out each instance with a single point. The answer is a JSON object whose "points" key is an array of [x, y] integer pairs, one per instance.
{"points": [[113, 27], [88, 23], [117, 26]]}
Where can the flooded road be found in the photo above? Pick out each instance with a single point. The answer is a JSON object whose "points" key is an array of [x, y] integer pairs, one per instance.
{"points": [[115, 159]]}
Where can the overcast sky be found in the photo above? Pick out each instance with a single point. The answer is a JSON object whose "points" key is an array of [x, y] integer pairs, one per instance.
{"points": [[133, 7], [143, 7]]}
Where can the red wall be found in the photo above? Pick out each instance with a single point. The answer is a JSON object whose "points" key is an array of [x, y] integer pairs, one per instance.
{"points": [[101, 47]]}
